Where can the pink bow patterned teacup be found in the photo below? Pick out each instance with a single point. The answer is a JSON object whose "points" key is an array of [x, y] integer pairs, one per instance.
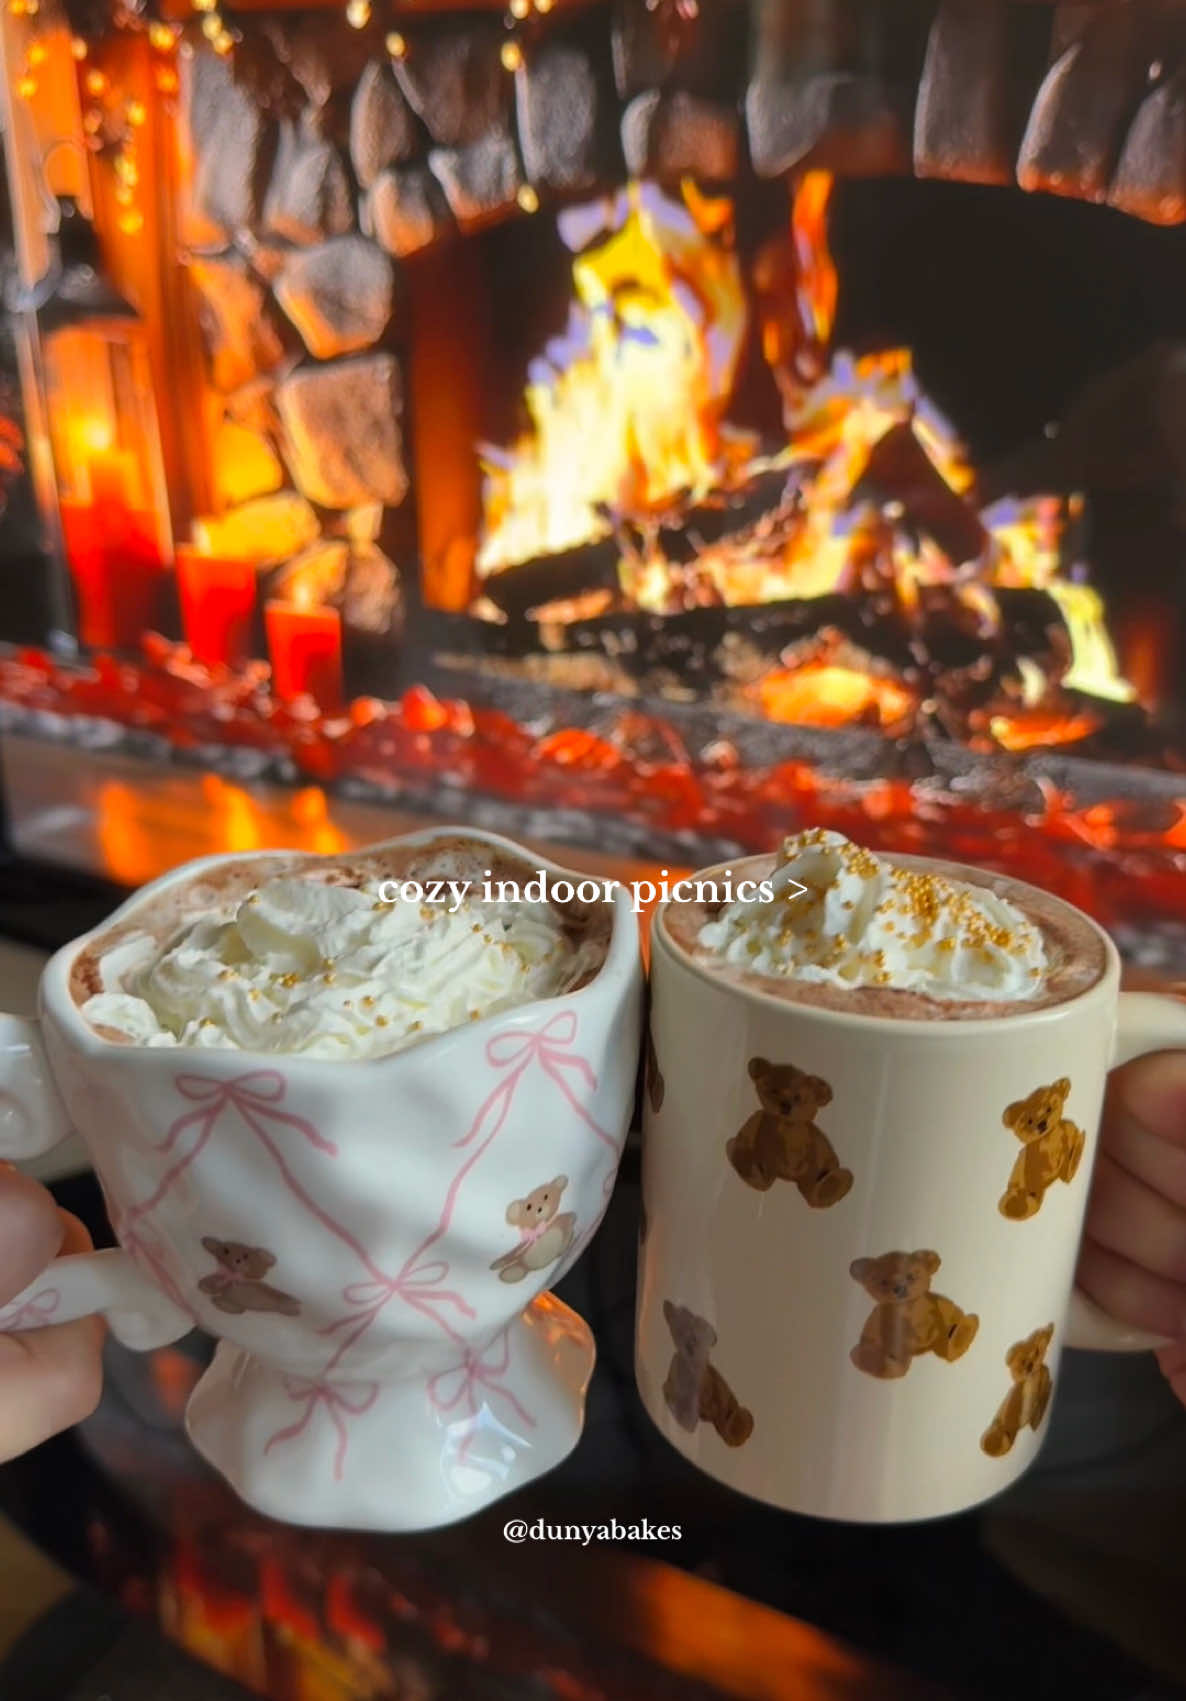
{"points": [[371, 1241]]}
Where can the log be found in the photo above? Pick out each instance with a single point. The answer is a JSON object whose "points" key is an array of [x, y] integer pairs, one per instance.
{"points": [[900, 470]]}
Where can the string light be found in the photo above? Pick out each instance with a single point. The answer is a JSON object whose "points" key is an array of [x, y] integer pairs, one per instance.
{"points": [[223, 43], [520, 9], [543, 7], [528, 199], [512, 55], [92, 121], [358, 14], [131, 222], [166, 81], [137, 113], [95, 82], [396, 46], [79, 48], [161, 37], [205, 5], [26, 86], [37, 54]]}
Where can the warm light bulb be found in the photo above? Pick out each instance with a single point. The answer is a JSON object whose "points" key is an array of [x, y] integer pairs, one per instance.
{"points": [[205, 5], [123, 195], [543, 5], [161, 37], [131, 222], [166, 82], [528, 199], [26, 87], [127, 170], [520, 9], [512, 55], [96, 82], [37, 54], [79, 48], [212, 26], [396, 45], [223, 43], [358, 14], [137, 113]]}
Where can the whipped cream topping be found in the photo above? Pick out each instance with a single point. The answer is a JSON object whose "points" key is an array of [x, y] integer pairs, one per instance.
{"points": [[845, 917], [334, 971]]}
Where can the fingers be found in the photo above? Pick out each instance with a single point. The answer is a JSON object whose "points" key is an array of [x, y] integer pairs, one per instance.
{"points": [[1131, 1294], [31, 1231], [1136, 1221], [1133, 1259], [49, 1378]]}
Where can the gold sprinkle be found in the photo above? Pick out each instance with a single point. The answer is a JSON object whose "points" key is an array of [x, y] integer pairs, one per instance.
{"points": [[415, 1027], [381, 1021], [368, 1003]]}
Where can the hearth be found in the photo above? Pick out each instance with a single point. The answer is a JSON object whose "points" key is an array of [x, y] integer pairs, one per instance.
{"points": [[652, 424]]}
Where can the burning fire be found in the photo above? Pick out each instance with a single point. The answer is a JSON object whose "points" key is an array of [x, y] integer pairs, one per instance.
{"points": [[871, 492]]}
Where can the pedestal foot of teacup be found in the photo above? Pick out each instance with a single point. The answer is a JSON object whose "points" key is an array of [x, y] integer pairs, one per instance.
{"points": [[350, 1450]]}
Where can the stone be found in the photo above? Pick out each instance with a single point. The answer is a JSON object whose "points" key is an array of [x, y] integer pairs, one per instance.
{"points": [[233, 315], [1077, 125], [833, 85], [229, 146], [382, 127], [310, 196], [339, 296], [244, 465], [315, 577], [1150, 177], [677, 135], [343, 429], [406, 212], [370, 598], [983, 64], [265, 531], [322, 56], [565, 126], [481, 182], [453, 77], [704, 54]]}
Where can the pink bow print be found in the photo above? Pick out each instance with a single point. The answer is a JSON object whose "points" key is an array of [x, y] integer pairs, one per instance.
{"points": [[340, 1400], [456, 1386], [256, 1096], [33, 1314]]}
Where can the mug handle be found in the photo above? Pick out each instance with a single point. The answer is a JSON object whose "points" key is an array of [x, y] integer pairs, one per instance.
{"points": [[106, 1284], [1147, 1022], [33, 1119]]}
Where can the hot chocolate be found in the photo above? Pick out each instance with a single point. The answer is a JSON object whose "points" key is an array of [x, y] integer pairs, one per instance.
{"points": [[337, 958], [840, 928]]}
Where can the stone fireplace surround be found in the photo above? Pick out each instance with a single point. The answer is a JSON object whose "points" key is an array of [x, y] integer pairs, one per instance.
{"points": [[325, 171]]}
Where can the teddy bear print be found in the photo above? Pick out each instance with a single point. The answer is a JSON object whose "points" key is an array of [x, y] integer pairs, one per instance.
{"points": [[1028, 1398], [781, 1142], [545, 1232], [655, 1084], [238, 1283], [907, 1318], [1052, 1147], [695, 1391]]}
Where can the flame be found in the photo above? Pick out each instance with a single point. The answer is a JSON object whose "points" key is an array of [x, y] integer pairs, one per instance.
{"points": [[627, 406], [630, 431]]}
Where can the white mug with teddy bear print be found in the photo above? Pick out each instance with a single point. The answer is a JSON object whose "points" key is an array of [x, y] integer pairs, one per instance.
{"points": [[865, 1176]]}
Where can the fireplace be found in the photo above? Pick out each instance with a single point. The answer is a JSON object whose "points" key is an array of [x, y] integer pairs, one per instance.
{"points": [[650, 425]]}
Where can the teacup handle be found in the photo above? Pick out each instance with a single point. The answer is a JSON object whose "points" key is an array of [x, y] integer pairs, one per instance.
{"points": [[108, 1284], [1147, 1022], [33, 1119]]}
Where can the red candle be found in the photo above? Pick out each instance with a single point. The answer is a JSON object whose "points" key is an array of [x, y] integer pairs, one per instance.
{"points": [[113, 552], [305, 645], [217, 601]]}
